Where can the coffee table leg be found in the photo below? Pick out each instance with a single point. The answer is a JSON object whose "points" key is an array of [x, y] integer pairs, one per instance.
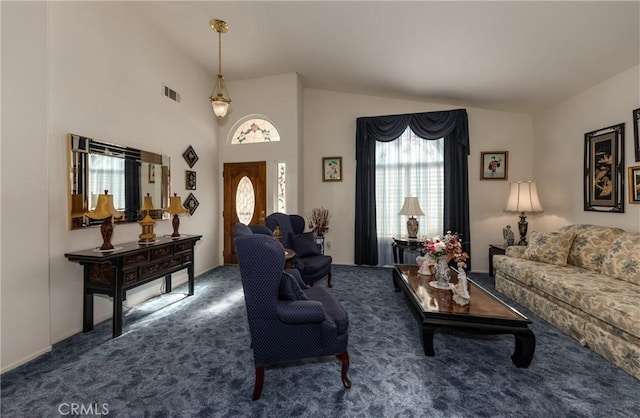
{"points": [[525, 347], [427, 340]]}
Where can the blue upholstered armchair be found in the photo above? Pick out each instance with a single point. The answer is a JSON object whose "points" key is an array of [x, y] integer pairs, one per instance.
{"points": [[288, 320], [313, 266]]}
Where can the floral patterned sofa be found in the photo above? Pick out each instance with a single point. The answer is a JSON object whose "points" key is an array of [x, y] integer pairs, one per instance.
{"points": [[585, 280]]}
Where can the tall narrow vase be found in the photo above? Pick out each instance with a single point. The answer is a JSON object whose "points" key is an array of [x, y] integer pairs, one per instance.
{"points": [[443, 274]]}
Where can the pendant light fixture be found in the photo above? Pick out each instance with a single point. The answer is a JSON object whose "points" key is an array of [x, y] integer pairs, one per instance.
{"points": [[220, 99]]}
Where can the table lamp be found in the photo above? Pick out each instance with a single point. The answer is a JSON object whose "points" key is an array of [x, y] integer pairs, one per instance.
{"points": [[523, 198], [106, 211], [175, 208], [411, 208], [147, 222]]}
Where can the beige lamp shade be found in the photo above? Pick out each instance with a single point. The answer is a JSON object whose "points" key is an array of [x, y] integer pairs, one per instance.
{"points": [[77, 204], [411, 207], [147, 203], [523, 197], [104, 208], [175, 206]]}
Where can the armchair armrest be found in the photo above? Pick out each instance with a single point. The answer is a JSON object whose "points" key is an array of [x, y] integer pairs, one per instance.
{"points": [[515, 251], [300, 311]]}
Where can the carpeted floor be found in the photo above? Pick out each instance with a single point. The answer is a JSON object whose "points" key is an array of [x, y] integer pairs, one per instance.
{"points": [[191, 357]]}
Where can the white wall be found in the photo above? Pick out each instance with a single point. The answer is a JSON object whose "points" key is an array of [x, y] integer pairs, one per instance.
{"points": [[24, 281], [330, 129], [276, 99], [104, 75], [559, 151]]}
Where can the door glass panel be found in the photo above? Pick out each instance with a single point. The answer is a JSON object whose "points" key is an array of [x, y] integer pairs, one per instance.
{"points": [[245, 200]]}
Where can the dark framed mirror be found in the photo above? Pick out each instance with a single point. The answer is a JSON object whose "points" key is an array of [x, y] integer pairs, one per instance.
{"points": [[127, 173]]}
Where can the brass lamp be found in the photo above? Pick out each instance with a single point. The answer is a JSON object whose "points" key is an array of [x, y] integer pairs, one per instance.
{"points": [[220, 99], [175, 208], [411, 208], [105, 210], [147, 222], [523, 197]]}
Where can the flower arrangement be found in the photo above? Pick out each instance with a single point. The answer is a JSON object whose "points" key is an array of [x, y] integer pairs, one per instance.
{"points": [[319, 220], [448, 245]]}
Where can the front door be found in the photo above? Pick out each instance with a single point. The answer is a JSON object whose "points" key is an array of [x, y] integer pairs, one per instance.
{"points": [[245, 194]]}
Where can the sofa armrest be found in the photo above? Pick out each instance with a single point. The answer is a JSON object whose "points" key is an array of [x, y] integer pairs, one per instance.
{"points": [[515, 251], [300, 311]]}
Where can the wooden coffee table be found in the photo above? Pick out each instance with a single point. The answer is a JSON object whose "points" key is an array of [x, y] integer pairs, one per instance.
{"points": [[485, 314]]}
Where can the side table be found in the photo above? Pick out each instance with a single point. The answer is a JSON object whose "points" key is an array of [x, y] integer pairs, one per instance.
{"points": [[400, 244], [495, 249]]}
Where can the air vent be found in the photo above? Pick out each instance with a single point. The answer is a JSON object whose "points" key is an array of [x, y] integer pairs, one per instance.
{"points": [[172, 94]]}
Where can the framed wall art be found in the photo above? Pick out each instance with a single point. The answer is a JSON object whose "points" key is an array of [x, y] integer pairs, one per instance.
{"points": [[634, 184], [331, 168], [190, 180], [494, 165], [190, 156], [191, 204], [152, 173], [636, 132], [604, 169]]}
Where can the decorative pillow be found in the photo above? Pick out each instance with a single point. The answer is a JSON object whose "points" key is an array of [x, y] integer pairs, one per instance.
{"points": [[290, 289], [551, 247], [305, 245]]}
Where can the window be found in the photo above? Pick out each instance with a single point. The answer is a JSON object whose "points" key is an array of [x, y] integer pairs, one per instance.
{"points": [[254, 131], [106, 173], [281, 188], [408, 166]]}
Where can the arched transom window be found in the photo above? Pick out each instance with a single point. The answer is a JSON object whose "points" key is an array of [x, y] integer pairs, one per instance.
{"points": [[255, 130]]}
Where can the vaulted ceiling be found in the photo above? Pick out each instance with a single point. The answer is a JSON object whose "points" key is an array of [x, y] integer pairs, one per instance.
{"points": [[517, 56]]}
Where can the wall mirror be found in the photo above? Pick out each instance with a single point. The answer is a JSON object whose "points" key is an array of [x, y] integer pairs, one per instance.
{"points": [[129, 174]]}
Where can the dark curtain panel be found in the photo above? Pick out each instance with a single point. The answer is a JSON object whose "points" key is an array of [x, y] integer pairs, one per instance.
{"points": [[132, 190], [454, 128]]}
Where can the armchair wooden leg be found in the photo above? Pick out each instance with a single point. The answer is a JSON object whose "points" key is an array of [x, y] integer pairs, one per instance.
{"points": [[329, 280], [257, 388], [344, 358]]}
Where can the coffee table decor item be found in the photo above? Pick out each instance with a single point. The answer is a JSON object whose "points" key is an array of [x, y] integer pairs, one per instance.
{"points": [[444, 250], [461, 294]]}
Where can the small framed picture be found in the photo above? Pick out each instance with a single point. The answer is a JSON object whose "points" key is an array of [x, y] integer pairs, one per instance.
{"points": [[494, 165], [634, 184], [152, 173], [190, 179], [636, 132], [331, 168]]}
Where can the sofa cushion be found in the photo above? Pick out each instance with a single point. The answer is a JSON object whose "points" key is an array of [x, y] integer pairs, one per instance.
{"points": [[590, 245], [569, 284], [516, 268], [623, 258], [289, 288], [305, 245], [550, 247], [617, 305]]}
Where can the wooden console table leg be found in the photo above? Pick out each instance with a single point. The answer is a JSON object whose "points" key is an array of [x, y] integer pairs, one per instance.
{"points": [[117, 303], [191, 278], [87, 305], [167, 283]]}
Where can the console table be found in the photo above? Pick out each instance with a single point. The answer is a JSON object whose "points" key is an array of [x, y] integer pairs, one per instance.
{"points": [[130, 265]]}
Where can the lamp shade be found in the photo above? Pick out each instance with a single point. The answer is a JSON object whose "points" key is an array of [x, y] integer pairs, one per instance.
{"points": [[175, 206], [411, 207], [523, 197], [102, 208], [147, 203]]}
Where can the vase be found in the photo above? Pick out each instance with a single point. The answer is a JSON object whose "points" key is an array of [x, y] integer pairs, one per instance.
{"points": [[443, 274]]}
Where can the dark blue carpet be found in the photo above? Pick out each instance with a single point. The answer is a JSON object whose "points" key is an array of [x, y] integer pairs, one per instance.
{"points": [[190, 357]]}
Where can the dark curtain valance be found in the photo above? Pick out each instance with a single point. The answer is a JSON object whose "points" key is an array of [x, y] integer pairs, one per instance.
{"points": [[451, 125]]}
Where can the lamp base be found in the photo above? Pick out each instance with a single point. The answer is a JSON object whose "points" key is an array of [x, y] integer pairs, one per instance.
{"points": [[412, 227], [176, 224], [522, 228], [106, 229]]}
